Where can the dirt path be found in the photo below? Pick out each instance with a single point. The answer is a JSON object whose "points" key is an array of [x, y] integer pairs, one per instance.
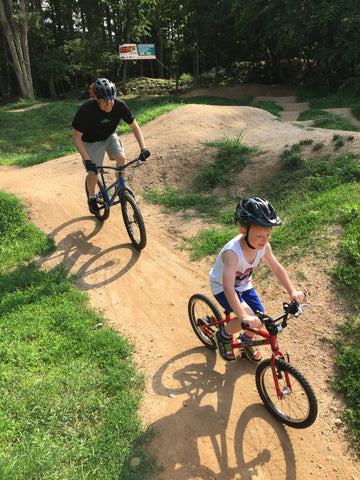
{"points": [[210, 420]]}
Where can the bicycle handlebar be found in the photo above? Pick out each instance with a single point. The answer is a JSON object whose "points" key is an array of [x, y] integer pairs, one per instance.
{"points": [[120, 168], [291, 308]]}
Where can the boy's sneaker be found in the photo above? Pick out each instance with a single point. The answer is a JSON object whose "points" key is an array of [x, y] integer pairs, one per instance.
{"points": [[224, 349], [253, 354], [93, 206]]}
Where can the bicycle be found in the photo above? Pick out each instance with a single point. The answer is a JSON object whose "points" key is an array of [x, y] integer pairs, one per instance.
{"points": [[282, 388], [115, 193]]}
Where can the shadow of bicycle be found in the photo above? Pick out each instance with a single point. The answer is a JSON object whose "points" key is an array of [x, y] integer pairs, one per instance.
{"points": [[205, 443], [95, 267]]}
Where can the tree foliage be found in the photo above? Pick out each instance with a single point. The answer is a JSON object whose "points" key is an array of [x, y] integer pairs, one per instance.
{"points": [[63, 44]]}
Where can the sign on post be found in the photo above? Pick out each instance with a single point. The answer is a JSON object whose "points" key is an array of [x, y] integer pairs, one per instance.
{"points": [[137, 51]]}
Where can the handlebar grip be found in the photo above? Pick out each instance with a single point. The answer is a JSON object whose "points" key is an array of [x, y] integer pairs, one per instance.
{"points": [[292, 307], [244, 325]]}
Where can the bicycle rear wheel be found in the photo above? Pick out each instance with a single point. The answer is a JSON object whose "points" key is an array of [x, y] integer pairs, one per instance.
{"points": [[104, 210], [298, 406], [133, 220], [203, 315]]}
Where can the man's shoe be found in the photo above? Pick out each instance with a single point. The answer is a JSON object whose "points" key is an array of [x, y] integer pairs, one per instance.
{"points": [[253, 354], [224, 349], [93, 206]]}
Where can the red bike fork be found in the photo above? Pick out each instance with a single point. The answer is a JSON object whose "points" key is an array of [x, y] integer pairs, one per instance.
{"points": [[276, 373]]}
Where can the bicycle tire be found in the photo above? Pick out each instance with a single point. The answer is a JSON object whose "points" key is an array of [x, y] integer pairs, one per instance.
{"points": [[202, 309], [133, 220], [104, 210], [298, 408]]}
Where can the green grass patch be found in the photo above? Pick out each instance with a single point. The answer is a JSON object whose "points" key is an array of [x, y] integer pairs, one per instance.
{"points": [[231, 155], [270, 106], [323, 119], [347, 345], [173, 199], [208, 242], [20, 240]]}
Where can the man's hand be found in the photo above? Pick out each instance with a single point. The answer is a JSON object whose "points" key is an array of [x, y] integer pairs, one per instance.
{"points": [[90, 166], [144, 154]]}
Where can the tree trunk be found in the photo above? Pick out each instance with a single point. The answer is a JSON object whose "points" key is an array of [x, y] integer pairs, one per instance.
{"points": [[16, 29], [160, 55], [52, 89]]}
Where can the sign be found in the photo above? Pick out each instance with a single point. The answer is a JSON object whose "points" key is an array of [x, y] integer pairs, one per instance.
{"points": [[137, 51]]}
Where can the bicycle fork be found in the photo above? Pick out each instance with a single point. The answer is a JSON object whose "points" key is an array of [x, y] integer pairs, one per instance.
{"points": [[277, 373]]}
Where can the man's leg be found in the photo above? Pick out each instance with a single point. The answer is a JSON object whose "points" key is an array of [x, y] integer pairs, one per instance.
{"points": [[91, 180]]}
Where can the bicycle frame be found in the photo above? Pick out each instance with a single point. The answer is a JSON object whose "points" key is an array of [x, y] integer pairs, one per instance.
{"points": [[119, 184], [268, 338]]}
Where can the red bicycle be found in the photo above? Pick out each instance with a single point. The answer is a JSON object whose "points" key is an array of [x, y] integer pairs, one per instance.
{"points": [[283, 389]]}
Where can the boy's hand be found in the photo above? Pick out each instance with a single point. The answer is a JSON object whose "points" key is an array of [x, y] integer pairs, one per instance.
{"points": [[299, 297], [252, 321]]}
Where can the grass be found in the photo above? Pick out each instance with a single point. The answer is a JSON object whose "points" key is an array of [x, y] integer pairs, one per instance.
{"points": [[15, 232], [70, 392], [323, 119], [231, 155]]}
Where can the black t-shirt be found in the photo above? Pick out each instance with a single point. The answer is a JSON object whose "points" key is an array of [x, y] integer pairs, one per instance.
{"points": [[97, 125]]}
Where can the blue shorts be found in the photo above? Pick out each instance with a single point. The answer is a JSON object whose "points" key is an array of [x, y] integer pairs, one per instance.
{"points": [[249, 296]]}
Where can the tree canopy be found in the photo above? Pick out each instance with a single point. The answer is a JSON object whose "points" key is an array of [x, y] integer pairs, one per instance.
{"points": [[55, 46]]}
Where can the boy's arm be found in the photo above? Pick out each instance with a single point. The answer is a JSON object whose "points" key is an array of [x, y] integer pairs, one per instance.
{"points": [[229, 272], [280, 273]]}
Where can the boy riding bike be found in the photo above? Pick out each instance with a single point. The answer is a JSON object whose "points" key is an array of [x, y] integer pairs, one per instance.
{"points": [[230, 277]]}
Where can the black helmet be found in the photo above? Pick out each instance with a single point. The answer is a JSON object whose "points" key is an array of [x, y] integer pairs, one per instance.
{"points": [[105, 89], [258, 211]]}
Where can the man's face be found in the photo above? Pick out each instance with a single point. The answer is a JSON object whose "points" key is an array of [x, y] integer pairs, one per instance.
{"points": [[105, 105]]}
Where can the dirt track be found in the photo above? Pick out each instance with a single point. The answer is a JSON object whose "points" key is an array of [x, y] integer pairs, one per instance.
{"points": [[210, 419]]}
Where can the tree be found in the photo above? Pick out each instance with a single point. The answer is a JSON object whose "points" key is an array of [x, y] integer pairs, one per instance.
{"points": [[15, 23]]}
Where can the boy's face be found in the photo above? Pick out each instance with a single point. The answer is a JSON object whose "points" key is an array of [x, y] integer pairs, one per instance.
{"points": [[258, 236]]}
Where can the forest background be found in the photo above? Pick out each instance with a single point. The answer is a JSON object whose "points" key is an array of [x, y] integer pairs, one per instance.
{"points": [[54, 48]]}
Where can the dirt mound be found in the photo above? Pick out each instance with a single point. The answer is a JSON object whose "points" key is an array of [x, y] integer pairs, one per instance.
{"points": [[211, 423]]}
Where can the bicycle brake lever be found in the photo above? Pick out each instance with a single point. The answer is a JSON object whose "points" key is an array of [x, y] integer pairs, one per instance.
{"points": [[299, 311]]}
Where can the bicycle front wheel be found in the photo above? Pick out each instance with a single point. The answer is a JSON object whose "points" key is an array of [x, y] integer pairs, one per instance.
{"points": [[298, 406], [133, 220], [104, 210], [203, 315]]}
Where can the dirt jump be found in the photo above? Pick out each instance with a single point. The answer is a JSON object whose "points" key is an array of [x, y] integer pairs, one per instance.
{"points": [[210, 422]]}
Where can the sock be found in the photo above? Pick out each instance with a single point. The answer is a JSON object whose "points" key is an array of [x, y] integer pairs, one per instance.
{"points": [[225, 337], [244, 337]]}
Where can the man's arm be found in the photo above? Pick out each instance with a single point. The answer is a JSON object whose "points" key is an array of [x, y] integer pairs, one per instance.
{"points": [[138, 134], [77, 139]]}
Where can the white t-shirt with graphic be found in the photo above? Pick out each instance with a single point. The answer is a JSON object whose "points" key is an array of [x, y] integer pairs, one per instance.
{"points": [[242, 280]]}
